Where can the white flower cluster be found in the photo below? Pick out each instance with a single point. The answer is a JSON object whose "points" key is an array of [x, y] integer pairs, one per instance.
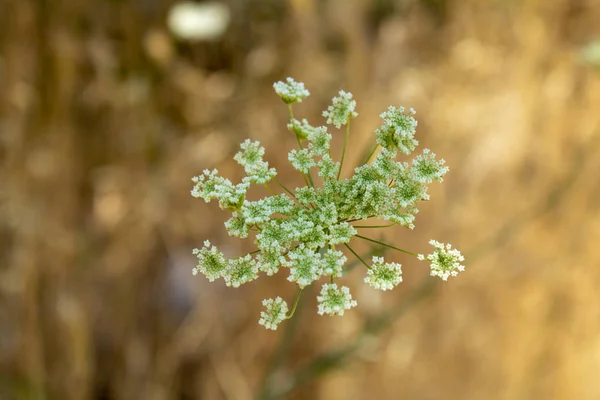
{"points": [[213, 264], [426, 168], [334, 301], [250, 157], [398, 130], [210, 186], [276, 312], [384, 276], [445, 261], [302, 160], [300, 230], [291, 91], [341, 111]]}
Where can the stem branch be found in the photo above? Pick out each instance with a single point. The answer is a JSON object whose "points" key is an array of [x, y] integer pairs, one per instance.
{"points": [[295, 304], [344, 149], [371, 153], [373, 226], [357, 256], [386, 245]]}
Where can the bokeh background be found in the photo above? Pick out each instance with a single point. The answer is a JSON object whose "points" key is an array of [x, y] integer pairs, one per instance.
{"points": [[108, 108]]}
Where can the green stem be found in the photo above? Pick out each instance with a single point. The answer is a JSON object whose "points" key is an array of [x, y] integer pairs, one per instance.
{"points": [[292, 120], [373, 226], [371, 153], [295, 304], [266, 185], [289, 192], [254, 252], [284, 188], [386, 245], [357, 219], [344, 149], [357, 256]]}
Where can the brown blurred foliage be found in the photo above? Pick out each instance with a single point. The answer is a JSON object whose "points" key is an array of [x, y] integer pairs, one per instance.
{"points": [[105, 117]]}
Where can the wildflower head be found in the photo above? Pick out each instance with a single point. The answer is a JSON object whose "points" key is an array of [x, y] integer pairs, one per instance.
{"points": [[445, 261], [291, 91], [334, 301], [304, 266], [240, 270], [382, 275], [211, 262], [301, 160], [398, 130], [341, 111], [305, 230], [425, 168], [332, 263], [276, 311]]}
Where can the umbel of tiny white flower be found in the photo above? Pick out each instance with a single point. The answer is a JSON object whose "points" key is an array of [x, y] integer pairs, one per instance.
{"points": [[445, 261], [240, 270], [276, 311], [334, 301], [291, 91], [300, 230], [211, 262], [383, 276], [304, 266], [341, 111], [301, 160], [426, 168], [250, 157], [398, 130]]}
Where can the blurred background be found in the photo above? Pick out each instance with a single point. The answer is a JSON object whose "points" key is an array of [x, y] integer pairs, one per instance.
{"points": [[109, 107]]}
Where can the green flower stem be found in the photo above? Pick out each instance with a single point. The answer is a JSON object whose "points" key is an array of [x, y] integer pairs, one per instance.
{"points": [[295, 304], [284, 187], [288, 191], [386, 245], [373, 226], [266, 185], [357, 219], [286, 253], [312, 183], [371, 154], [254, 252], [344, 149], [357, 256]]}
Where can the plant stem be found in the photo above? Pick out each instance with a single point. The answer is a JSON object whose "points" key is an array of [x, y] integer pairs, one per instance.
{"points": [[344, 149], [284, 188], [292, 120], [373, 226], [295, 304], [357, 256], [386, 245], [266, 185], [289, 192], [357, 219], [371, 153]]}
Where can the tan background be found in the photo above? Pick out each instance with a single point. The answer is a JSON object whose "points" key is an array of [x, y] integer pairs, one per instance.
{"points": [[104, 118]]}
